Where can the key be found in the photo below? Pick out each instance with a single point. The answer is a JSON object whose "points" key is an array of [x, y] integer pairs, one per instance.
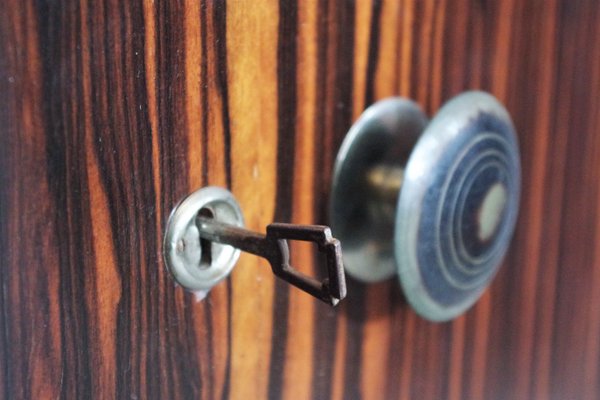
{"points": [[274, 248]]}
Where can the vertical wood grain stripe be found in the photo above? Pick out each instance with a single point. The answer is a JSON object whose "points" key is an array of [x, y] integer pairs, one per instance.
{"points": [[111, 112], [325, 325], [299, 355], [284, 201]]}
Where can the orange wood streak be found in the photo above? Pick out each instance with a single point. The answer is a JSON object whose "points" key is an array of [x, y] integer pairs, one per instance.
{"points": [[193, 75], [387, 81], [479, 347], [376, 331], [251, 77], [106, 294], [408, 347], [424, 28], [455, 366], [337, 379], [362, 30], [376, 342]]}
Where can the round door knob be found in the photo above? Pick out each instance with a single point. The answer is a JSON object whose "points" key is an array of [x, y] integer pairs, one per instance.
{"points": [[435, 202]]}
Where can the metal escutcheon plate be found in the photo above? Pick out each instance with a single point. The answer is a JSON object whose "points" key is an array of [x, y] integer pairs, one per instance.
{"points": [[182, 247]]}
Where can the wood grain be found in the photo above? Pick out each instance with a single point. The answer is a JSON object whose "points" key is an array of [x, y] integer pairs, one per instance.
{"points": [[110, 112]]}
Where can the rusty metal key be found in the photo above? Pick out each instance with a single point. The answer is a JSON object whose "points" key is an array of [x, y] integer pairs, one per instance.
{"points": [[274, 248]]}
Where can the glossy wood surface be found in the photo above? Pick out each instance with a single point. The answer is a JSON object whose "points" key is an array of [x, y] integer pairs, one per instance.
{"points": [[111, 111]]}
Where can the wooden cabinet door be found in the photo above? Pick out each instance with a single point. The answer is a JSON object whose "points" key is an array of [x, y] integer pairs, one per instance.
{"points": [[112, 111]]}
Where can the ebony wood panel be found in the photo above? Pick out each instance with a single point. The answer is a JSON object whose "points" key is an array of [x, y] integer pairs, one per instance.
{"points": [[111, 111]]}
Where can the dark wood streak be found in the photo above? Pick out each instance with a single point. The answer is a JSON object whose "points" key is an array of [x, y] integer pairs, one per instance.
{"points": [[207, 306], [204, 88], [184, 372], [135, 56], [219, 15], [373, 51], [6, 111], [522, 107], [286, 139], [341, 119], [95, 143], [220, 23], [63, 155], [575, 258], [325, 323]]}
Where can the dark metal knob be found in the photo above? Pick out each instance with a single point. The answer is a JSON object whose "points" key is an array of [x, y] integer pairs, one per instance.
{"points": [[434, 202]]}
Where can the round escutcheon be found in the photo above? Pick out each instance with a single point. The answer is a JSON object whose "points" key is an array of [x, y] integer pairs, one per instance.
{"points": [[194, 263]]}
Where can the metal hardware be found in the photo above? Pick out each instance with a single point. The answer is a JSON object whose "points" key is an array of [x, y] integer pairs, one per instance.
{"points": [[274, 248], [207, 230], [435, 203], [195, 264]]}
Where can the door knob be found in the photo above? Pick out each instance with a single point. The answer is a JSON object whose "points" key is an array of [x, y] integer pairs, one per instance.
{"points": [[435, 202]]}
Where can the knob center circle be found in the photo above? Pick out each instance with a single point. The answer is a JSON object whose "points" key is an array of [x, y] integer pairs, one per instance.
{"points": [[490, 212]]}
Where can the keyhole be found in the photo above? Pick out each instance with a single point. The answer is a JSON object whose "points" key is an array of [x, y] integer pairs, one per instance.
{"points": [[205, 245]]}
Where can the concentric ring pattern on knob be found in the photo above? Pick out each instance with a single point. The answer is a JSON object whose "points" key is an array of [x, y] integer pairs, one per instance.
{"points": [[458, 205]]}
